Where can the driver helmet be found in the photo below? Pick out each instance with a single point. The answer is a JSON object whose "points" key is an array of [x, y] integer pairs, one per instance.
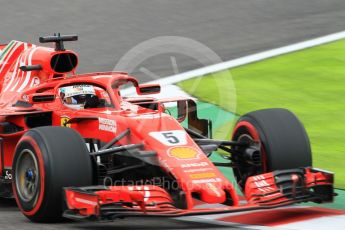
{"points": [[75, 96]]}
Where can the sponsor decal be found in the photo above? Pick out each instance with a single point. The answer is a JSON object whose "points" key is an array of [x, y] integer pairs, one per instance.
{"points": [[203, 175], [204, 181], [107, 125], [171, 137], [194, 165], [193, 170], [64, 120], [74, 90], [184, 153]]}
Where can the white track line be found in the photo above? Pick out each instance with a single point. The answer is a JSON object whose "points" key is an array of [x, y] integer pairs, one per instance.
{"points": [[249, 59]]}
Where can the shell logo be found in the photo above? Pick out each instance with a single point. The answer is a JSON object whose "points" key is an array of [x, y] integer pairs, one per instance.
{"points": [[184, 153], [202, 175]]}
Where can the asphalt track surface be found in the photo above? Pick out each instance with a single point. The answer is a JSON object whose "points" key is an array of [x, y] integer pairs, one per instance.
{"points": [[108, 29]]}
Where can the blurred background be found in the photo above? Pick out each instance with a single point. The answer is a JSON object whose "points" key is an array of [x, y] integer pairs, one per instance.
{"points": [[107, 29]]}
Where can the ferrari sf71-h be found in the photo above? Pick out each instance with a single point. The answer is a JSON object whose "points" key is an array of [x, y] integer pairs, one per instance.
{"points": [[73, 147]]}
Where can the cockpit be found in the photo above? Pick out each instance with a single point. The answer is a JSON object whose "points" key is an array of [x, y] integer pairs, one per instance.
{"points": [[84, 96]]}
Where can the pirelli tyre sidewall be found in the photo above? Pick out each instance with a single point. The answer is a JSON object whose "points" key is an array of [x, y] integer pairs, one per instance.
{"points": [[62, 160], [283, 139]]}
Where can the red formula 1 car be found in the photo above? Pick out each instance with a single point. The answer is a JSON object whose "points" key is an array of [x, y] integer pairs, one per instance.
{"points": [[72, 146]]}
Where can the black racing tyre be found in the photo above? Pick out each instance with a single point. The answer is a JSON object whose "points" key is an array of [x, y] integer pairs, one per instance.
{"points": [[283, 139], [46, 160]]}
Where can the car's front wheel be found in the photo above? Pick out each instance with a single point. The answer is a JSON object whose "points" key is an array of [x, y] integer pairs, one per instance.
{"points": [[281, 137], [46, 160]]}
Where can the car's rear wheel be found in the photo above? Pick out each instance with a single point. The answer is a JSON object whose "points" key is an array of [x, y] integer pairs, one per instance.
{"points": [[282, 139], [46, 160]]}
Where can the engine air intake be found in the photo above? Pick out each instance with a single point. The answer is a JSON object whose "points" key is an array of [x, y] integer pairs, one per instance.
{"points": [[63, 62]]}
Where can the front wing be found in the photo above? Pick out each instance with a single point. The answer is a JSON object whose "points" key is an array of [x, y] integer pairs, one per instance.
{"points": [[265, 191]]}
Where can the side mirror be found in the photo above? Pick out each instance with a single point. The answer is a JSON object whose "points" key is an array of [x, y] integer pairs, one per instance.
{"points": [[41, 98], [148, 89]]}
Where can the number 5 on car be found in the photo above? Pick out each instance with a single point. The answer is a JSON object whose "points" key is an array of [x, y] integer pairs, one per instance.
{"points": [[171, 137]]}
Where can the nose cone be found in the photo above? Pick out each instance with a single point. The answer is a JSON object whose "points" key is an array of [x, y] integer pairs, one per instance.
{"points": [[211, 193]]}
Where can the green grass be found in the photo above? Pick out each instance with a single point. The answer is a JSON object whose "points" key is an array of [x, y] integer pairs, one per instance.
{"points": [[311, 83]]}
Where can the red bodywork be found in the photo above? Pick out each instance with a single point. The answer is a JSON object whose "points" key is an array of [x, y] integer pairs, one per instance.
{"points": [[185, 161]]}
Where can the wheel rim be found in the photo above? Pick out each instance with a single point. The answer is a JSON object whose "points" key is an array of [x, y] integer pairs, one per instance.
{"points": [[243, 171], [27, 176]]}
